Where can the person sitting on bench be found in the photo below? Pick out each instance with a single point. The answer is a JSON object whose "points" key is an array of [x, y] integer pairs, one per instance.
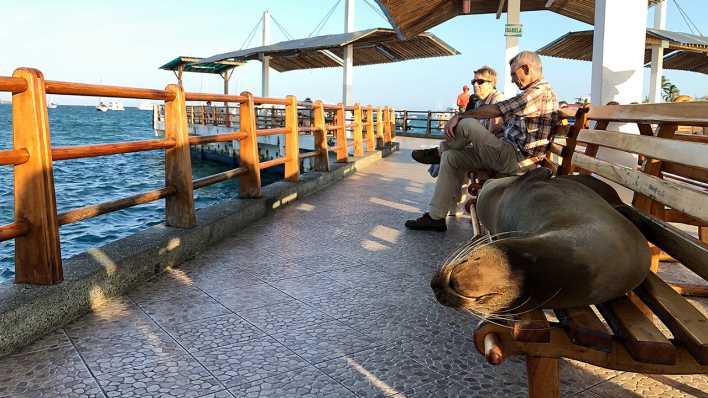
{"points": [[528, 120]]}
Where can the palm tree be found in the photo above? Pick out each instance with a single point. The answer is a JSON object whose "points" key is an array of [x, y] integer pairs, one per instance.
{"points": [[669, 89]]}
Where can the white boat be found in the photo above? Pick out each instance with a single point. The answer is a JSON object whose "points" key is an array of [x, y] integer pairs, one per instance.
{"points": [[145, 106], [102, 106], [117, 106], [52, 105]]}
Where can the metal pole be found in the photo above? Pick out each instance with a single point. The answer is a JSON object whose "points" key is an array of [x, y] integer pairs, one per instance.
{"points": [[265, 61], [657, 54], [347, 78], [512, 32]]}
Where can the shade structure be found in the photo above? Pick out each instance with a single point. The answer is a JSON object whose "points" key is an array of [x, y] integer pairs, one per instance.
{"points": [[195, 64], [684, 51], [371, 46], [410, 17]]}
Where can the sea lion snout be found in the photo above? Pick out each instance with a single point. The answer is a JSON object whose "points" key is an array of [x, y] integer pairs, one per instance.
{"points": [[480, 281]]}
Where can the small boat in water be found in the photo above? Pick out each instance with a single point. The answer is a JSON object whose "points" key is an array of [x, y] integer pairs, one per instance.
{"points": [[145, 106], [102, 106], [117, 106], [52, 105]]}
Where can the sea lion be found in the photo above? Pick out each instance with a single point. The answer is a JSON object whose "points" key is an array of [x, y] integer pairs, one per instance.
{"points": [[555, 243]]}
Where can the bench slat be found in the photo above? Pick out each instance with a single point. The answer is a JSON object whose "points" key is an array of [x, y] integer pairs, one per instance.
{"points": [[687, 324], [641, 337], [690, 251], [686, 113], [689, 172], [585, 328], [532, 326], [687, 200], [683, 152]]}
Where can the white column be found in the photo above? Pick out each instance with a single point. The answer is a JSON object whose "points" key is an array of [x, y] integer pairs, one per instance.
{"points": [[657, 55], [265, 61], [347, 77], [513, 11], [618, 51]]}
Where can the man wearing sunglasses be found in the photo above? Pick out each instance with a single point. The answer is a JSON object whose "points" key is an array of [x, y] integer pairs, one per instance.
{"points": [[528, 120]]}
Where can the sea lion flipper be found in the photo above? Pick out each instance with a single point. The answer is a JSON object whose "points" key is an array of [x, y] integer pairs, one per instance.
{"points": [[540, 173]]}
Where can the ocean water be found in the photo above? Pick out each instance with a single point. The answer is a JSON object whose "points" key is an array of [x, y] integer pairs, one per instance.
{"points": [[81, 182]]}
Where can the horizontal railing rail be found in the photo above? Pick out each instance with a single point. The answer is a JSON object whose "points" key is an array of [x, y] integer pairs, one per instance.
{"points": [[36, 225]]}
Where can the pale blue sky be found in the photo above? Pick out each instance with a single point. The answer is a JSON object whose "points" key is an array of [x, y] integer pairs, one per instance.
{"points": [[123, 43]]}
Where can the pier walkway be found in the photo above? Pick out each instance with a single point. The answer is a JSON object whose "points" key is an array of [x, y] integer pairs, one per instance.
{"points": [[328, 298]]}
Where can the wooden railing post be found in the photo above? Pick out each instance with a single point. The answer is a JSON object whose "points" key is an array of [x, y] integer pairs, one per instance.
{"points": [[357, 132], [379, 128], [322, 161], [292, 141], [387, 125], [428, 129], [191, 114], [178, 164], [341, 138], [250, 182], [392, 124], [370, 134], [38, 253], [405, 122]]}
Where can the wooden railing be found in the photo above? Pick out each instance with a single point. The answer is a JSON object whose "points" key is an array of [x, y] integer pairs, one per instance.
{"points": [[427, 124], [36, 225]]}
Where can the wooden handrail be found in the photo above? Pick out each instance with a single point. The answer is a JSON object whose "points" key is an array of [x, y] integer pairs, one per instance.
{"points": [[267, 132], [90, 151], [271, 163], [100, 90], [305, 155], [307, 129], [206, 139], [83, 213], [214, 97], [14, 156], [13, 230], [219, 177], [13, 84], [266, 100]]}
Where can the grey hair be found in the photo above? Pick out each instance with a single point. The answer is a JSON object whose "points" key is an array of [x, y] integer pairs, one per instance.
{"points": [[529, 58]]}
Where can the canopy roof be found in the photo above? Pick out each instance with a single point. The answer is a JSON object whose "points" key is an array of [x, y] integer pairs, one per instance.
{"points": [[410, 17], [194, 64], [371, 46], [684, 51]]}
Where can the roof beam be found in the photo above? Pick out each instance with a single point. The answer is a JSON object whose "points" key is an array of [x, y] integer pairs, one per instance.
{"points": [[333, 57]]}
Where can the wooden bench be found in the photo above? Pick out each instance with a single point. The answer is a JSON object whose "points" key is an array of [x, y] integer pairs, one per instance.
{"points": [[623, 334]]}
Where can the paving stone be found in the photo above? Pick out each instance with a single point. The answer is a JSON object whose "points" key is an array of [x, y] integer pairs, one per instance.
{"points": [[214, 332], [124, 352], [120, 317], [179, 376], [249, 361], [306, 382], [181, 310], [320, 342], [577, 376], [451, 387], [309, 286], [637, 385], [55, 339], [246, 297], [449, 354], [291, 315], [379, 372], [87, 388], [166, 287], [42, 370]]}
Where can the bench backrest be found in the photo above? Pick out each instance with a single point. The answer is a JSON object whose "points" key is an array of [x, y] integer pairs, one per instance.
{"points": [[669, 175]]}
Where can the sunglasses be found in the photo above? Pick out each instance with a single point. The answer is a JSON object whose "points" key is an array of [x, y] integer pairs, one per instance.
{"points": [[480, 81]]}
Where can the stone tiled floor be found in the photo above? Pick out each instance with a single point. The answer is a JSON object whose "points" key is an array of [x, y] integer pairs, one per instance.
{"points": [[327, 298]]}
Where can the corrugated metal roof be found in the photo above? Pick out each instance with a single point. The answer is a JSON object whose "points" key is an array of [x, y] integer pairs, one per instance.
{"points": [[410, 17], [685, 39], [195, 64], [578, 45], [371, 46]]}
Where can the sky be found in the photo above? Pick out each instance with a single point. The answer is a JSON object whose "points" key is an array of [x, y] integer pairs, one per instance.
{"points": [[124, 43]]}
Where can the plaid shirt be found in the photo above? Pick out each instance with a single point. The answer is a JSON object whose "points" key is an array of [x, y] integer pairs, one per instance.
{"points": [[529, 118]]}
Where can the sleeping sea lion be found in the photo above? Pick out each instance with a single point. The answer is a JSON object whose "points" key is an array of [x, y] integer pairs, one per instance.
{"points": [[555, 243]]}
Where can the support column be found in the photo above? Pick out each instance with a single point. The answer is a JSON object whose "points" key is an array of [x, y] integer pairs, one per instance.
{"points": [[265, 61], [512, 32], [347, 77], [657, 55], [618, 51]]}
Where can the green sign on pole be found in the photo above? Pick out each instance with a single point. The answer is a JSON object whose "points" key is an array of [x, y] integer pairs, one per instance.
{"points": [[512, 29]]}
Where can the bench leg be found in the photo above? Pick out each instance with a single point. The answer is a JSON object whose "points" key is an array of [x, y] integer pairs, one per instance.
{"points": [[544, 381]]}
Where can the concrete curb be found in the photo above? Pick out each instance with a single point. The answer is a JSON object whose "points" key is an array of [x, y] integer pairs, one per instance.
{"points": [[28, 312]]}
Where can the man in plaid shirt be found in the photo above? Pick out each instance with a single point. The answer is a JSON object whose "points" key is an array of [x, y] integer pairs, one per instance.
{"points": [[529, 119]]}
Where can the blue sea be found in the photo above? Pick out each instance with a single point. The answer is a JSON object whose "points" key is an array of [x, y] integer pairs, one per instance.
{"points": [[81, 182]]}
